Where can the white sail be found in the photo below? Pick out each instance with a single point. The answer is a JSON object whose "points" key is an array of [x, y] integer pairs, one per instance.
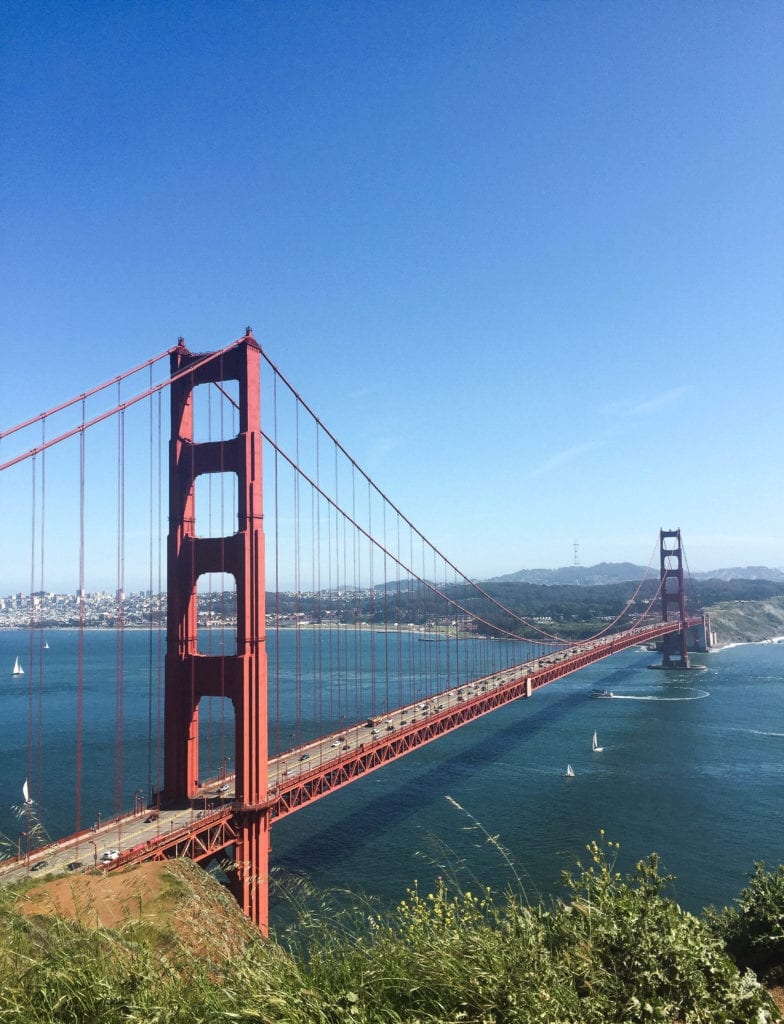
{"points": [[595, 746], [17, 669], [569, 772], [26, 792]]}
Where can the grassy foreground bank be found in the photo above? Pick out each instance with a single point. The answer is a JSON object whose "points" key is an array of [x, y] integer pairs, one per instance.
{"points": [[616, 949]]}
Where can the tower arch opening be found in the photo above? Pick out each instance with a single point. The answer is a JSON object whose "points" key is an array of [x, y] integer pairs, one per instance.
{"points": [[216, 603]]}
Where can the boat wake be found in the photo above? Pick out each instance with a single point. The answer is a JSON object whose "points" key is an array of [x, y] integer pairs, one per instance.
{"points": [[759, 732], [696, 695]]}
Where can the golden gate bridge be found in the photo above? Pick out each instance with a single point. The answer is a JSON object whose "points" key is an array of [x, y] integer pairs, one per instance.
{"points": [[264, 525]]}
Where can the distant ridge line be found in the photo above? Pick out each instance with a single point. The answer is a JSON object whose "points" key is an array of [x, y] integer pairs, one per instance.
{"points": [[625, 572]]}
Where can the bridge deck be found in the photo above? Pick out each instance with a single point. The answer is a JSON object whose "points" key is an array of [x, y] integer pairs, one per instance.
{"points": [[305, 774]]}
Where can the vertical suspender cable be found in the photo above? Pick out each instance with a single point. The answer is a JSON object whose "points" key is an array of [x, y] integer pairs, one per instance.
{"points": [[277, 560], [331, 675], [400, 619], [439, 683], [32, 732], [319, 668], [297, 590], [357, 695], [314, 632], [413, 591], [39, 644], [151, 624], [80, 637], [159, 606], [335, 653], [355, 626], [222, 520], [372, 588], [386, 612], [120, 629]]}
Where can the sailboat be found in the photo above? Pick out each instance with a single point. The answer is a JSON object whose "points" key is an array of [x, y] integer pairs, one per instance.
{"points": [[46, 645], [17, 669], [595, 745], [26, 793], [569, 772]]}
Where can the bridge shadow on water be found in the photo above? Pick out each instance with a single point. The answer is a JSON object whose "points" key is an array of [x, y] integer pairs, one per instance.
{"points": [[326, 846]]}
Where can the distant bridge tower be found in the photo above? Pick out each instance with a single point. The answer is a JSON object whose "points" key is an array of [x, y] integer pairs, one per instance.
{"points": [[241, 677], [673, 598]]}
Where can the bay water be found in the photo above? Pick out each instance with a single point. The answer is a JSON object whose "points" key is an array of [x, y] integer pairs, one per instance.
{"points": [[692, 767]]}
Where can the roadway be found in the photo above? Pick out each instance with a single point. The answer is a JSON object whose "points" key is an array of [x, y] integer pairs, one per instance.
{"points": [[320, 753], [113, 841]]}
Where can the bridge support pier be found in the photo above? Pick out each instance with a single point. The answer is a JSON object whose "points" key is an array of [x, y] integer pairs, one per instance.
{"points": [[249, 881], [673, 598], [242, 677]]}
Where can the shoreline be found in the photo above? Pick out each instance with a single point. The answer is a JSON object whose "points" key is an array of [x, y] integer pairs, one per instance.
{"points": [[745, 643], [409, 628]]}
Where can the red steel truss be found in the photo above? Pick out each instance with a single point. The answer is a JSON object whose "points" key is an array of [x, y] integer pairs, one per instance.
{"points": [[200, 841]]}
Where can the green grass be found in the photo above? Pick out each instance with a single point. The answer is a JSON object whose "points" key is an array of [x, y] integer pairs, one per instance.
{"points": [[617, 949]]}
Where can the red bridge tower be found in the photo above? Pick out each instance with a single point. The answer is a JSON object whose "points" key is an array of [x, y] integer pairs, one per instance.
{"points": [[242, 677], [673, 598]]}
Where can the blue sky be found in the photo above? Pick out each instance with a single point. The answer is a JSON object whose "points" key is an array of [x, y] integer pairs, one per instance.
{"points": [[524, 259]]}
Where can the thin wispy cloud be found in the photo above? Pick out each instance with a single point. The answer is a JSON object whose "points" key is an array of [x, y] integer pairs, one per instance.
{"points": [[381, 447], [631, 408], [567, 455]]}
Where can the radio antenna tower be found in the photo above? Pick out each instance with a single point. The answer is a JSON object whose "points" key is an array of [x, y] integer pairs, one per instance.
{"points": [[576, 553]]}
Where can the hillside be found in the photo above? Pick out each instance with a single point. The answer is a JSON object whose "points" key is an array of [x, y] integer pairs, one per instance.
{"points": [[164, 943], [176, 899], [623, 572], [747, 621], [577, 575]]}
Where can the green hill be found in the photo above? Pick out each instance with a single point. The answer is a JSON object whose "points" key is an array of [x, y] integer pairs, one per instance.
{"points": [[616, 950], [747, 621]]}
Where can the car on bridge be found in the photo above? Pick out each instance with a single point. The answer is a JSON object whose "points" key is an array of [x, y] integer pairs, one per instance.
{"points": [[40, 865], [110, 855]]}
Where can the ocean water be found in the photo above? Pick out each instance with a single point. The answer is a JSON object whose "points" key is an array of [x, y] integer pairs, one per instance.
{"points": [[692, 766]]}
